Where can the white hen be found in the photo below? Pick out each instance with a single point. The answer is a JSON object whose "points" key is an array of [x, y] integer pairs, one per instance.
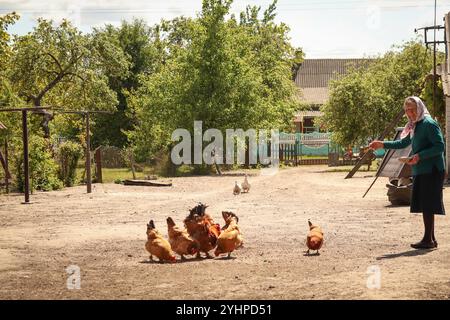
{"points": [[245, 185], [237, 188]]}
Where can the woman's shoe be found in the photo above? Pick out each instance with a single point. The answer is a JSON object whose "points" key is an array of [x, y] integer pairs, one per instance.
{"points": [[424, 245]]}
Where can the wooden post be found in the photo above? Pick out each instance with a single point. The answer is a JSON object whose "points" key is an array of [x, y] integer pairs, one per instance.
{"points": [[292, 147], [281, 152], [7, 167], [247, 154], [447, 98], [98, 164], [133, 169], [26, 168], [88, 155]]}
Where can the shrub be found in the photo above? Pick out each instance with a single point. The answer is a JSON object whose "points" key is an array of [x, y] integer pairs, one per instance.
{"points": [[43, 168], [68, 155]]}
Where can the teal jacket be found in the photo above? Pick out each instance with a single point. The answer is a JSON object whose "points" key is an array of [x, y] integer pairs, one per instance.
{"points": [[428, 142]]}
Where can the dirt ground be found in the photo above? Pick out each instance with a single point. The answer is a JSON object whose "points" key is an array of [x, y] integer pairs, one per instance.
{"points": [[103, 233]]}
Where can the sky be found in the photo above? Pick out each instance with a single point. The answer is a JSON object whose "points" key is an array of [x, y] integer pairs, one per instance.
{"points": [[322, 28]]}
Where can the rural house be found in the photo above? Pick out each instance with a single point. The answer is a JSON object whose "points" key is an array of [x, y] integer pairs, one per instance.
{"points": [[313, 78]]}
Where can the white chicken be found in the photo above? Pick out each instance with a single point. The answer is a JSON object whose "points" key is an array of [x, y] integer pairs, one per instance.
{"points": [[245, 185], [237, 188]]}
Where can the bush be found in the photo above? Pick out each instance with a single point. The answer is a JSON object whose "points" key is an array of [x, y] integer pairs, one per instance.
{"points": [[68, 155], [43, 168]]}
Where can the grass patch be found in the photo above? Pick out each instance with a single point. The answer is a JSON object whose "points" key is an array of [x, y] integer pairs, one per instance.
{"points": [[312, 157], [110, 175], [363, 168]]}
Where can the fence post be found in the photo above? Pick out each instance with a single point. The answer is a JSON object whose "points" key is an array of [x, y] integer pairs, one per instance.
{"points": [[25, 156], [281, 152], [98, 165], [247, 154], [7, 167]]}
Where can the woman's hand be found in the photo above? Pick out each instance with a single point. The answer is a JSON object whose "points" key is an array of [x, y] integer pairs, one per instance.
{"points": [[414, 160], [374, 145]]}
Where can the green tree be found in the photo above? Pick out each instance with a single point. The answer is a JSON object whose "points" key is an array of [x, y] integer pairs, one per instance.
{"points": [[226, 73], [141, 44], [57, 65], [5, 38], [8, 97], [438, 109], [363, 102]]}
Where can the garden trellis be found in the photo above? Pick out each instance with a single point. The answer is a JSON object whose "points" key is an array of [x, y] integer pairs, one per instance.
{"points": [[41, 110]]}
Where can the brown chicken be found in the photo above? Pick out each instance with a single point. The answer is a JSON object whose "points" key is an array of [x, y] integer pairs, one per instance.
{"points": [[157, 245], [180, 240], [314, 240], [201, 227], [231, 237]]}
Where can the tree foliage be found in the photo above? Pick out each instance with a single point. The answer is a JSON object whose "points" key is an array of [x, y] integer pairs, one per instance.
{"points": [[226, 73], [43, 167], [140, 45], [363, 102], [57, 65]]}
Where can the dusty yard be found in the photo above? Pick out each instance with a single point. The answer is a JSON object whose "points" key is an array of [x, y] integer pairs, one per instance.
{"points": [[104, 235]]}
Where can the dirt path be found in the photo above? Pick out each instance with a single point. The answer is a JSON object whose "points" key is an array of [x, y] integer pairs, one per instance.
{"points": [[104, 235]]}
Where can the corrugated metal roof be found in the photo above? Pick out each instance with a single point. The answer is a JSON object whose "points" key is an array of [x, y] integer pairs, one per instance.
{"points": [[314, 76], [316, 73], [315, 95]]}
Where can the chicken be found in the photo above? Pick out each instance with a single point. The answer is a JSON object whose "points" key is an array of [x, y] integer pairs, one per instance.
{"points": [[237, 188], [157, 245], [201, 227], [231, 236], [314, 240], [245, 185], [180, 240]]}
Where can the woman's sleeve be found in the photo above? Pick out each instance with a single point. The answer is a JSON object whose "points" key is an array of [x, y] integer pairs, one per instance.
{"points": [[397, 144], [437, 142]]}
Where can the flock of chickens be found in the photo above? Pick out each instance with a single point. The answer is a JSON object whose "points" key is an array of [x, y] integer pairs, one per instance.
{"points": [[201, 234]]}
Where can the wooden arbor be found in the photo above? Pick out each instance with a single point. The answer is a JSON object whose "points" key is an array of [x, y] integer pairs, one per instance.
{"points": [[4, 160], [24, 112]]}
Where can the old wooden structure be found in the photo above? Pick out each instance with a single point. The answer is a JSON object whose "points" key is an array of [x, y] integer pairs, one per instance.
{"points": [[4, 159], [40, 110]]}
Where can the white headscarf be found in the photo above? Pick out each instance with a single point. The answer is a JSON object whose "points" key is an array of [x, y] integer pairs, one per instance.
{"points": [[422, 112]]}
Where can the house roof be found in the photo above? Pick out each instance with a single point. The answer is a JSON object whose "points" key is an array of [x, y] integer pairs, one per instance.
{"points": [[314, 95], [314, 76]]}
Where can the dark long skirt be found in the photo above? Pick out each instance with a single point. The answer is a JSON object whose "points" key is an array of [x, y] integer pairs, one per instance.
{"points": [[427, 193]]}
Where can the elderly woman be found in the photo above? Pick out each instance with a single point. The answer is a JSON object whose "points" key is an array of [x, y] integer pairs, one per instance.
{"points": [[428, 166]]}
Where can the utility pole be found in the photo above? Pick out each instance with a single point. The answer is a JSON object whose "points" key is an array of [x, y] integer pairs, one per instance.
{"points": [[434, 59], [434, 42]]}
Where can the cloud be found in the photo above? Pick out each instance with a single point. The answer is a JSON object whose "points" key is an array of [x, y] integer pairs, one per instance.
{"points": [[86, 14]]}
